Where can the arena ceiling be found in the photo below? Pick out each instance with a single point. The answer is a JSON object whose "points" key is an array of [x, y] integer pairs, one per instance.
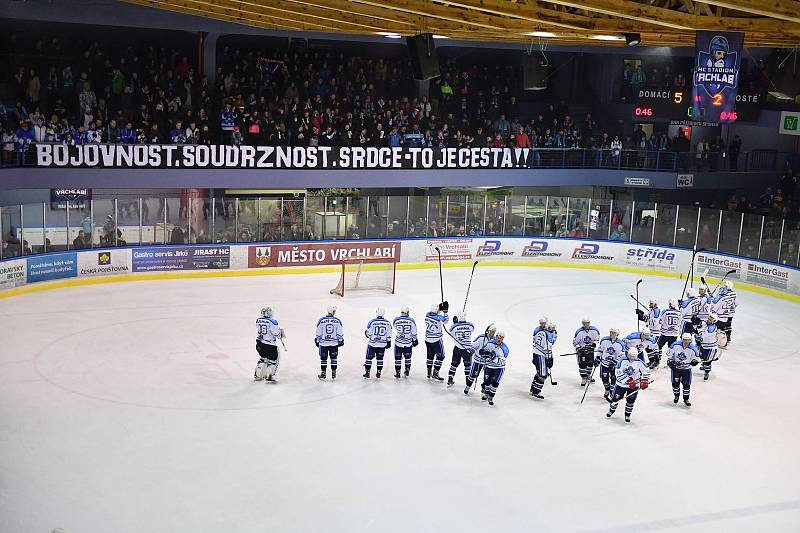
{"points": [[767, 23]]}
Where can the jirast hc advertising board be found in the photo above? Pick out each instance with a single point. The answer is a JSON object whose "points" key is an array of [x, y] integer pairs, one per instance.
{"points": [[181, 258]]}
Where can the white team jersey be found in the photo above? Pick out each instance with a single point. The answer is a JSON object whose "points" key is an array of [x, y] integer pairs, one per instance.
{"points": [[691, 307], [585, 338], [329, 331], [682, 356], [708, 336], [499, 355], [405, 331], [670, 321], [609, 351], [635, 340], [724, 305], [462, 331], [481, 343], [267, 330], [636, 370], [543, 342], [433, 326], [654, 320], [705, 307], [379, 332]]}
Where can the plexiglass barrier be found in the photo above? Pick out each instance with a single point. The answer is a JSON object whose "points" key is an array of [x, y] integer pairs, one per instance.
{"points": [[132, 221]]}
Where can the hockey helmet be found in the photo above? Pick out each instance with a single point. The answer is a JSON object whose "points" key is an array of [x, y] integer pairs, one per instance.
{"points": [[585, 320], [686, 337], [645, 331], [491, 330], [691, 292], [719, 44], [712, 318], [653, 303], [543, 321], [331, 310], [499, 335], [729, 285], [266, 311], [633, 353], [703, 288], [379, 312], [460, 317], [673, 303], [551, 326], [404, 310], [435, 308], [614, 331]]}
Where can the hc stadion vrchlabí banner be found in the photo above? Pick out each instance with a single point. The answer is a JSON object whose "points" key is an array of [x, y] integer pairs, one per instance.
{"points": [[718, 58]]}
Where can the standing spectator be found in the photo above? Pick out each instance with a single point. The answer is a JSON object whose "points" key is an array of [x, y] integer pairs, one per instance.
{"points": [[701, 156], [789, 184]]}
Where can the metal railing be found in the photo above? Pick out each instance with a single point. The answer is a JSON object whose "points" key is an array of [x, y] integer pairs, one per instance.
{"points": [[45, 227]]}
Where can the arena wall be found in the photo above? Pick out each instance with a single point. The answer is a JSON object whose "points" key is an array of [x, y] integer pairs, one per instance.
{"points": [[88, 267]]}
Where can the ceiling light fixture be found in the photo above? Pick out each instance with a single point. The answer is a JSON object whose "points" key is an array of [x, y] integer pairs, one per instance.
{"points": [[607, 38], [541, 34], [632, 39]]}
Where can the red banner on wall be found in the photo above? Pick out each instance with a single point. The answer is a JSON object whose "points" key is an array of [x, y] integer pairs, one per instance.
{"points": [[312, 254]]}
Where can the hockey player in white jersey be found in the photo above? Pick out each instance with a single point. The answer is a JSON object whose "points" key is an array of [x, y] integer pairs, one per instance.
{"points": [[379, 335], [724, 306], [268, 332], [671, 323], [631, 375], [651, 318], [643, 342], [611, 348], [708, 344], [705, 307], [435, 320], [329, 338], [585, 342], [405, 340], [481, 349], [543, 341], [495, 366], [681, 357], [461, 330], [690, 308], [542, 325]]}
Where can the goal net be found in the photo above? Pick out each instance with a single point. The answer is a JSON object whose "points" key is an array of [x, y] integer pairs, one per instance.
{"points": [[366, 274]]}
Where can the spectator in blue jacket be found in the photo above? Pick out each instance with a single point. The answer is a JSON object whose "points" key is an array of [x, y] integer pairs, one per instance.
{"points": [[178, 133], [128, 134], [395, 139], [226, 123], [80, 136]]}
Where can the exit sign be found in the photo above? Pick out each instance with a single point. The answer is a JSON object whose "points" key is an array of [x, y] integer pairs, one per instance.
{"points": [[790, 123]]}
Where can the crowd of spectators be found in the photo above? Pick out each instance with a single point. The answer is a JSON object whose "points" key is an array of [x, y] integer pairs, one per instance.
{"points": [[280, 96]]}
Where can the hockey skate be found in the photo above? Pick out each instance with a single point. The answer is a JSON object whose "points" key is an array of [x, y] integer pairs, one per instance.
{"points": [[608, 414], [627, 418], [537, 395], [675, 399], [583, 382], [466, 390], [378, 374], [322, 375], [705, 376], [687, 402], [397, 374], [366, 374], [436, 376], [450, 381], [333, 373], [408, 371], [484, 397], [491, 401]]}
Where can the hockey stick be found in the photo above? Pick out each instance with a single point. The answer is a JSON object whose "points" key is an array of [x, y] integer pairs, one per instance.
{"points": [[441, 283], [690, 273], [285, 349], [591, 376], [468, 287], [550, 374], [638, 302], [638, 327], [566, 354], [732, 271]]}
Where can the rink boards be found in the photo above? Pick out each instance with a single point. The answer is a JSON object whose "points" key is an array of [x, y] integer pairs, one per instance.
{"points": [[63, 269]]}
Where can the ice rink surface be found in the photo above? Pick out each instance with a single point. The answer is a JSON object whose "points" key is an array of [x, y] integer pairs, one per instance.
{"points": [[131, 408]]}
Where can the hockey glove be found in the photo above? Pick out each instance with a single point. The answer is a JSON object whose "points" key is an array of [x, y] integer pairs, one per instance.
{"points": [[596, 361], [388, 344], [594, 346], [671, 364], [640, 314], [549, 362], [695, 362], [696, 321], [484, 353], [645, 383], [316, 342], [415, 342], [444, 306], [631, 384], [341, 343]]}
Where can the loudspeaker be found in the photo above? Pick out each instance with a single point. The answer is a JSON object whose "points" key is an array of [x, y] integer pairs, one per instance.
{"points": [[534, 72], [424, 60]]}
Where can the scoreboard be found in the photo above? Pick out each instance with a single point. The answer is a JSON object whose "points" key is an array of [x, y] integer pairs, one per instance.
{"points": [[665, 105]]}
